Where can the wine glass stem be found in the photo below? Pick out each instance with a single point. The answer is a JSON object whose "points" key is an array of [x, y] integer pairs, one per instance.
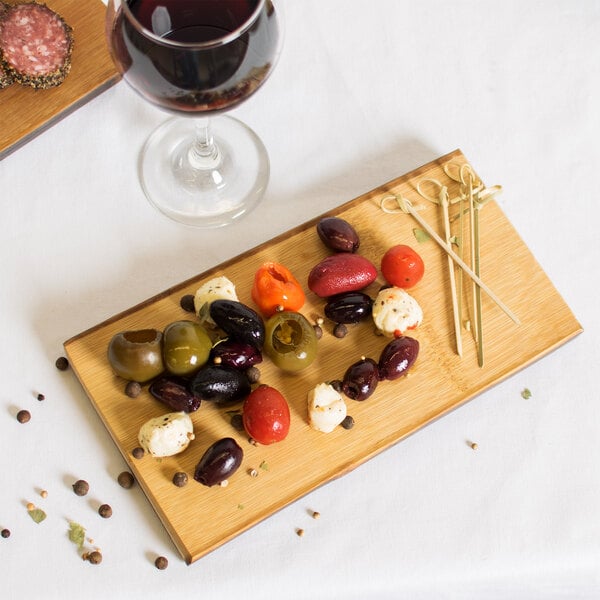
{"points": [[204, 153]]}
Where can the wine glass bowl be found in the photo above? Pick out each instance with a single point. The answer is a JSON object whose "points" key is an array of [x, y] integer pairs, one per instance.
{"points": [[197, 59]]}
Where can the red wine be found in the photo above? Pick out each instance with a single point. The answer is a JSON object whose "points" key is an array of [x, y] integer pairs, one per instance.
{"points": [[218, 72]]}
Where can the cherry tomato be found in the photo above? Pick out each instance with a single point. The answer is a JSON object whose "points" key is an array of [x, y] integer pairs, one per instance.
{"points": [[402, 266], [276, 289], [266, 415]]}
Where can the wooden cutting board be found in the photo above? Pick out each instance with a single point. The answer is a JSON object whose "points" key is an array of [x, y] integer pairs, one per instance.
{"points": [[26, 112], [199, 518]]}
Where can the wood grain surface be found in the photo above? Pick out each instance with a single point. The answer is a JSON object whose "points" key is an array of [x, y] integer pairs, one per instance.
{"points": [[199, 518], [26, 112]]}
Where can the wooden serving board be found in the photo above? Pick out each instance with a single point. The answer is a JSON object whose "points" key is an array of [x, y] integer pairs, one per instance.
{"points": [[26, 112], [199, 518]]}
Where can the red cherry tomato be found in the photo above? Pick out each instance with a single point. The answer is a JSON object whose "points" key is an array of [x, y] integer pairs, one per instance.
{"points": [[276, 289], [402, 266], [266, 415]]}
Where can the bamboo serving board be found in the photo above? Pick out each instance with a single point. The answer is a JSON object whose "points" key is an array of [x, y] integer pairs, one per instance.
{"points": [[26, 112], [198, 518]]}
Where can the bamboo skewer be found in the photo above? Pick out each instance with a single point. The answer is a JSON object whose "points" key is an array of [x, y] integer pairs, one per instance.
{"points": [[444, 201], [404, 205]]}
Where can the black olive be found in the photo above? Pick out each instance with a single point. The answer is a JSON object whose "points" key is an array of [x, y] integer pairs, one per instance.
{"points": [[349, 307], [219, 462], [175, 393], [397, 357], [220, 384], [238, 321], [361, 379]]}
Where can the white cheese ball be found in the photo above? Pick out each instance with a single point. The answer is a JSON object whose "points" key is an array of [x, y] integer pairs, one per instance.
{"points": [[326, 408], [395, 311], [218, 288], [166, 435]]}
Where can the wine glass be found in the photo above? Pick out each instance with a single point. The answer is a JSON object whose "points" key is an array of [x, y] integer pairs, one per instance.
{"points": [[197, 59]]}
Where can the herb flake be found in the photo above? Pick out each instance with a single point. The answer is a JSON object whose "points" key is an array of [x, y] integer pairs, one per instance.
{"points": [[76, 534], [526, 394], [37, 514]]}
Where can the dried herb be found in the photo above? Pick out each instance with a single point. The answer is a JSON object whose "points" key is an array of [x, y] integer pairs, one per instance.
{"points": [[526, 394], [37, 514], [264, 466], [76, 534], [421, 235]]}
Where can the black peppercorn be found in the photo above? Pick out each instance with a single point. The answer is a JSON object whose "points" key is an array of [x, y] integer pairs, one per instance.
{"points": [[126, 479], [5, 533], [62, 364], [81, 487], [161, 563], [133, 389], [187, 303], [23, 416], [340, 330], [138, 452], [348, 422], [95, 557], [253, 374], [41, 397], [237, 422], [105, 511], [180, 479]]}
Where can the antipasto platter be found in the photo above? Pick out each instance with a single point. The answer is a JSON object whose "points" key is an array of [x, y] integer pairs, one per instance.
{"points": [[522, 319]]}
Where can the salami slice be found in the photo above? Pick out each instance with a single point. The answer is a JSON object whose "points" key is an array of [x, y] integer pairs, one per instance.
{"points": [[35, 45], [5, 78]]}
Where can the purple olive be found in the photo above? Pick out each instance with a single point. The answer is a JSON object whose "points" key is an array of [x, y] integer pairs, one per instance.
{"points": [[361, 379], [236, 355], [175, 393], [349, 307], [219, 462], [338, 235], [238, 321], [398, 357]]}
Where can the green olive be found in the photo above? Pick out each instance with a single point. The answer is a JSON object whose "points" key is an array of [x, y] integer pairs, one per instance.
{"points": [[186, 347], [137, 355], [290, 341]]}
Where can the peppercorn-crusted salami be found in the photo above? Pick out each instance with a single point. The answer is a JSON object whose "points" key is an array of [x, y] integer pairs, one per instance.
{"points": [[35, 45], [5, 78]]}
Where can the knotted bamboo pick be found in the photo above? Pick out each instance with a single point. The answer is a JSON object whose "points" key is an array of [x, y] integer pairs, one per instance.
{"points": [[404, 205]]}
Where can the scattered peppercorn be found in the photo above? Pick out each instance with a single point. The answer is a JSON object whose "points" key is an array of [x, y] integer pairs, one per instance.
{"points": [[5, 533], [81, 487], [161, 563], [41, 397], [62, 364], [126, 479], [316, 515], [23, 416], [348, 422], [474, 445], [336, 384], [180, 479], [30, 506], [133, 389], [237, 422], [253, 374], [138, 452], [95, 557], [187, 303], [105, 511], [340, 330], [299, 532], [43, 493], [318, 331]]}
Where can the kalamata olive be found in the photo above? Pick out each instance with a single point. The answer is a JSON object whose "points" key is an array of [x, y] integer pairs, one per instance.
{"points": [[220, 384], [397, 357], [350, 307], [219, 462], [361, 379], [290, 341], [238, 321], [137, 355], [186, 347], [338, 235], [174, 392], [236, 355]]}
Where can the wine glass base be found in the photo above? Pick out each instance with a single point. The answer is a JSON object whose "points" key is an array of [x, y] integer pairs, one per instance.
{"points": [[204, 192]]}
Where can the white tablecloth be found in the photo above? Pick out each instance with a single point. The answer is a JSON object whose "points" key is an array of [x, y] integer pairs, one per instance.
{"points": [[364, 92]]}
